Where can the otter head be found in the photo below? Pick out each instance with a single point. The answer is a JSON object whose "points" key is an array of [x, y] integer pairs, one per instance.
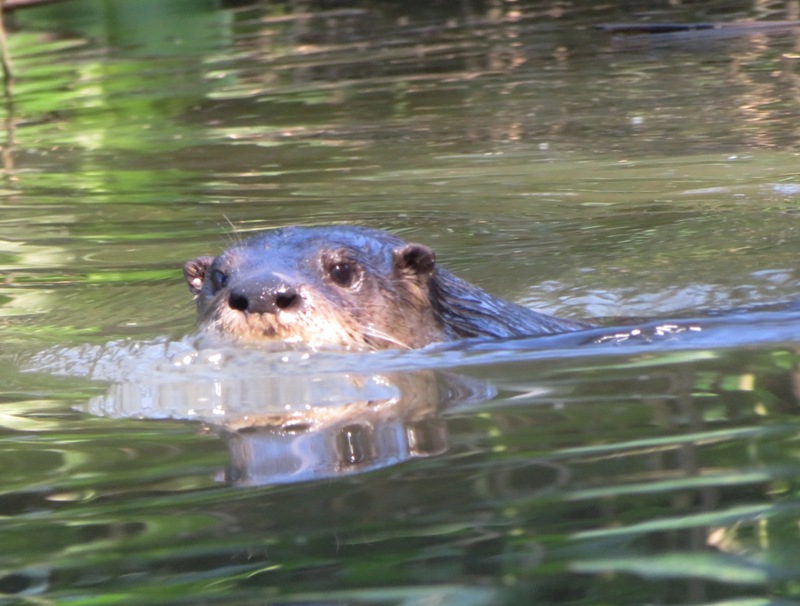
{"points": [[324, 286]]}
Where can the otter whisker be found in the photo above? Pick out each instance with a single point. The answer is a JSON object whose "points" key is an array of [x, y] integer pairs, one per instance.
{"points": [[229, 234], [371, 331]]}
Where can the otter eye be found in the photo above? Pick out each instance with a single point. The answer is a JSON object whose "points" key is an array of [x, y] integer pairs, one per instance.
{"points": [[218, 279], [342, 273]]}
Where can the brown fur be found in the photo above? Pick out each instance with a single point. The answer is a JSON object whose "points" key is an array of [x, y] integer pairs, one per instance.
{"points": [[349, 287]]}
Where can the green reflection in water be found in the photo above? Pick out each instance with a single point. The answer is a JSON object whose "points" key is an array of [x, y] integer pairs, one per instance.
{"points": [[543, 160]]}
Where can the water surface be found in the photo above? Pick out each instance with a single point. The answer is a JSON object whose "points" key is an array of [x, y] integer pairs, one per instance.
{"points": [[579, 172]]}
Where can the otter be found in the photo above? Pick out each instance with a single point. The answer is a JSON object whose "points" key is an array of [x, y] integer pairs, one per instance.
{"points": [[351, 287]]}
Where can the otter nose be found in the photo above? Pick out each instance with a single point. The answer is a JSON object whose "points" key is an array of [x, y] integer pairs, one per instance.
{"points": [[263, 300]]}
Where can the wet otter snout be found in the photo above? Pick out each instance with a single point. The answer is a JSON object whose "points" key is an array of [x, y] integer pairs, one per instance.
{"points": [[264, 295]]}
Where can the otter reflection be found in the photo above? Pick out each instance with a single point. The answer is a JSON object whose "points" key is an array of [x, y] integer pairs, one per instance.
{"points": [[286, 416], [312, 441], [357, 437], [371, 439]]}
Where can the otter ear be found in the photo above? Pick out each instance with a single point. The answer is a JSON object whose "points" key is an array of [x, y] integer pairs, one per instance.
{"points": [[194, 271], [414, 258]]}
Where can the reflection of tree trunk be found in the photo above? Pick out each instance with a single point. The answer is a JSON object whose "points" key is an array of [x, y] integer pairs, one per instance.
{"points": [[8, 146], [8, 83], [8, 76], [671, 28], [12, 4]]}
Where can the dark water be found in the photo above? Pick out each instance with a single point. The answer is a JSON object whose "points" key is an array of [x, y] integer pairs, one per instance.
{"points": [[582, 173]]}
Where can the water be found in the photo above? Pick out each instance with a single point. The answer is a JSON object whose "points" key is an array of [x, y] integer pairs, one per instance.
{"points": [[582, 173]]}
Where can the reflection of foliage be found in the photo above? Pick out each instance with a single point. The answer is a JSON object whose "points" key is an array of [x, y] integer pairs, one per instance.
{"points": [[635, 471], [687, 479], [523, 137], [89, 104]]}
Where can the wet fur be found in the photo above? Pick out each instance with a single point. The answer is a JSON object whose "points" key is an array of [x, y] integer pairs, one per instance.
{"points": [[467, 311], [403, 300]]}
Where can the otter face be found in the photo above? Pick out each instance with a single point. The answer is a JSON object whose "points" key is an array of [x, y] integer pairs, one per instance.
{"points": [[323, 286]]}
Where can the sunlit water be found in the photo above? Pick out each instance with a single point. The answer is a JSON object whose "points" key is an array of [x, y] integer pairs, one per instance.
{"points": [[650, 182]]}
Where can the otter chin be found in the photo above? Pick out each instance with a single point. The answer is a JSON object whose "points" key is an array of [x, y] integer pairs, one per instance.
{"points": [[351, 287]]}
